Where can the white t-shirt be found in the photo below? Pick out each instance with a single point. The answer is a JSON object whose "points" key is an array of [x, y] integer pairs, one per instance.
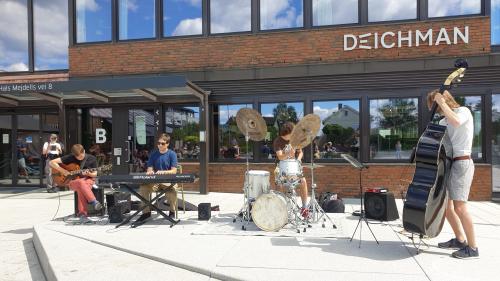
{"points": [[54, 148], [461, 136]]}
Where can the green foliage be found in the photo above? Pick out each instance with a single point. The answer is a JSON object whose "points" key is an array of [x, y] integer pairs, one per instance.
{"points": [[188, 133], [338, 135], [283, 113]]}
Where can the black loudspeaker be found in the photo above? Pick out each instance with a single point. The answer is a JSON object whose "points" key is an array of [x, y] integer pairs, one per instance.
{"points": [[115, 213], [118, 198], [381, 206], [99, 196], [204, 211]]}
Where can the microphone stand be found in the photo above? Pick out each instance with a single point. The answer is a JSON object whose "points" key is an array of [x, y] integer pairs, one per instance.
{"points": [[362, 217]]}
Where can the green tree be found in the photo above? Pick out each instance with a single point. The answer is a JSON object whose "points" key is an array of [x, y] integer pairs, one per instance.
{"points": [[338, 134], [283, 113], [400, 115]]}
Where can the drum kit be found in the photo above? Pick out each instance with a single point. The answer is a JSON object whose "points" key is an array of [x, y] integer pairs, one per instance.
{"points": [[271, 210]]}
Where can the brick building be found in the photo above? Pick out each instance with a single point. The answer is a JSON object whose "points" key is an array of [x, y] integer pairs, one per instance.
{"points": [[130, 69]]}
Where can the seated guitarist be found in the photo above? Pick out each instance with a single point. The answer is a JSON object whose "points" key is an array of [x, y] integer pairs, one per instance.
{"points": [[82, 185], [460, 130], [162, 161]]}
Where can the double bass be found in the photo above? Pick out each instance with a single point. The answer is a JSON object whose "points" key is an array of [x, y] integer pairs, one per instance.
{"points": [[426, 198]]}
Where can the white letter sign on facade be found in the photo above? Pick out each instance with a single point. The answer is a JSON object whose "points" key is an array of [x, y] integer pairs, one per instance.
{"points": [[100, 135], [408, 38]]}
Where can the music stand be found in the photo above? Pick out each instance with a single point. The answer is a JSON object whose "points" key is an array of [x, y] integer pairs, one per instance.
{"points": [[356, 164]]}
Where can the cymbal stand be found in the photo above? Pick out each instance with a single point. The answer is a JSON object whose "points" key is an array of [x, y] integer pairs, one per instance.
{"points": [[317, 212], [245, 208], [293, 208]]}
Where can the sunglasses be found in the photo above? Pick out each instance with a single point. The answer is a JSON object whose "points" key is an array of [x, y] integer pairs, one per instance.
{"points": [[161, 143]]}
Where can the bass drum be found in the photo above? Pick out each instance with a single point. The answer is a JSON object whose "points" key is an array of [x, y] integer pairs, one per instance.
{"points": [[269, 212]]}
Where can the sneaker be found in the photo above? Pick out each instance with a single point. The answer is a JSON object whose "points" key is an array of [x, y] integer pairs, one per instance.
{"points": [[304, 212], [452, 244], [51, 190], [97, 206], [466, 253], [171, 215]]}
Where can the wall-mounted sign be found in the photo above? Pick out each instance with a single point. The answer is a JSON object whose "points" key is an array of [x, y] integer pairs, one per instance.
{"points": [[100, 135], [27, 87], [140, 129], [410, 38]]}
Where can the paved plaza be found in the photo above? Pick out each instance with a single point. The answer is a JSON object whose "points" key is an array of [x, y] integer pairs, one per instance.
{"points": [[154, 251]]}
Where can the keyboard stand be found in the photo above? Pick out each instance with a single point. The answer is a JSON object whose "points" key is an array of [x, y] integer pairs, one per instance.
{"points": [[146, 202]]}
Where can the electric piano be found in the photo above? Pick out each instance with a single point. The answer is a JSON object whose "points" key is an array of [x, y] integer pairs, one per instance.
{"points": [[127, 181]]}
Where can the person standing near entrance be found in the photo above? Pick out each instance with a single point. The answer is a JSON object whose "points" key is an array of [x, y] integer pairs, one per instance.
{"points": [[460, 129], [161, 162], [22, 148], [51, 150]]}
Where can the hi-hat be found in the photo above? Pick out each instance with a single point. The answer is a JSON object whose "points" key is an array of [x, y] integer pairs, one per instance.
{"points": [[305, 131], [251, 123]]}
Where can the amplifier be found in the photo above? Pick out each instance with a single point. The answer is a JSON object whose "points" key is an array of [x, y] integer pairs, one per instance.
{"points": [[118, 198]]}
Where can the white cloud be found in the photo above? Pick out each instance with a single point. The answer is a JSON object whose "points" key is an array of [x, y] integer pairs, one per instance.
{"points": [[439, 8], [194, 3], [230, 15], [188, 27], [16, 67], [326, 12], [132, 5], [323, 112], [383, 10], [89, 5], [279, 14], [51, 30], [224, 115], [13, 33]]}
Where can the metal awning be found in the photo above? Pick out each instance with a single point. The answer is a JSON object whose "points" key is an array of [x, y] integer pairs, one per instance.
{"points": [[98, 91]]}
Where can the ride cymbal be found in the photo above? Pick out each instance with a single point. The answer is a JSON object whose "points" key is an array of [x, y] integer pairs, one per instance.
{"points": [[251, 123], [305, 131]]}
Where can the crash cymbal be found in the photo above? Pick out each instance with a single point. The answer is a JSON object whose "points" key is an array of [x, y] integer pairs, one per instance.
{"points": [[307, 126], [251, 123]]}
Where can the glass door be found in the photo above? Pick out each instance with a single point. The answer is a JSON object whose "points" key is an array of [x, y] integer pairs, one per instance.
{"points": [[495, 143], [29, 150], [50, 134], [6, 150], [142, 130]]}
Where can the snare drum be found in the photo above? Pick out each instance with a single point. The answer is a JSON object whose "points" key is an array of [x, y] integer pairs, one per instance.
{"points": [[290, 169], [269, 212], [258, 183]]}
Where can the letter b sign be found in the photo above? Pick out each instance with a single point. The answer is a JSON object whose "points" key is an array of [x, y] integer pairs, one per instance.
{"points": [[100, 135]]}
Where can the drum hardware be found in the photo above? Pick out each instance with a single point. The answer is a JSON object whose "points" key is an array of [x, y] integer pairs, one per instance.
{"points": [[302, 135], [362, 215], [253, 126]]}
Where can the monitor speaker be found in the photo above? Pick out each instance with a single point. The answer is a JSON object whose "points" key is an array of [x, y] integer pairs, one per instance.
{"points": [[381, 206], [204, 211]]}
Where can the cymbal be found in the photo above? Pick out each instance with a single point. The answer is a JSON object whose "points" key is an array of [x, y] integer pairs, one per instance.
{"points": [[251, 123], [305, 131]]}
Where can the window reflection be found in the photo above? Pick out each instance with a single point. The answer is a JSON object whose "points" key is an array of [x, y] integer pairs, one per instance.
{"points": [[51, 34], [137, 19], [183, 125], [93, 20], [330, 12], [339, 132], [230, 16], [387, 10], [443, 8], [393, 128], [275, 14], [230, 142], [474, 103], [14, 35], [182, 17], [275, 115], [495, 22]]}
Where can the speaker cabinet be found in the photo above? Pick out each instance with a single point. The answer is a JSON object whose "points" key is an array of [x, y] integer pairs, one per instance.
{"points": [[381, 206], [204, 211], [99, 196], [118, 198]]}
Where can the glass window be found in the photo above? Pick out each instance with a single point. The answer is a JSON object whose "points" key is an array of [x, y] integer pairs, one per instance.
{"points": [[230, 16], [474, 103], [182, 17], [183, 125], [330, 12], [387, 10], [495, 22], [275, 115], [275, 14], [51, 34], [230, 142], [393, 128], [444, 8], [137, 19], [97, 136], [6, 149], [495, 142], [93, 20], [339, 131], [14, 36]]}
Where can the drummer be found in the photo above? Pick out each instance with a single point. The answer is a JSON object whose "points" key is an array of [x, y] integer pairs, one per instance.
{"points": [[284, 151]]}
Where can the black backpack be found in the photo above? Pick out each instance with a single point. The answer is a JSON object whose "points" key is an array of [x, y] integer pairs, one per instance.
{"points": [[329, 204]]}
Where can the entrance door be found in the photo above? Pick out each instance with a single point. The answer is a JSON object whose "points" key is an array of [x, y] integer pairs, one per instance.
{"points": [[6, 150], [134, 133], [29, 150], [495, 142]]}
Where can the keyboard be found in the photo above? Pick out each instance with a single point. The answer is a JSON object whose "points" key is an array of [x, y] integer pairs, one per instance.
{"points": [[145, 179]]}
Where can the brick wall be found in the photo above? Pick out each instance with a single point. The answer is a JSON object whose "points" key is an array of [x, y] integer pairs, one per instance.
{"points": [[343, 179], [296, 47]]}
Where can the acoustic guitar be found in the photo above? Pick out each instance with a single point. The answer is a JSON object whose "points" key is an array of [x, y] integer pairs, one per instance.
{"points": [[426, 198], [74, 172]]}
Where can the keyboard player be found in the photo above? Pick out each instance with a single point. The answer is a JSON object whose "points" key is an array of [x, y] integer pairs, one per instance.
{"points": [[162, 161]]}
